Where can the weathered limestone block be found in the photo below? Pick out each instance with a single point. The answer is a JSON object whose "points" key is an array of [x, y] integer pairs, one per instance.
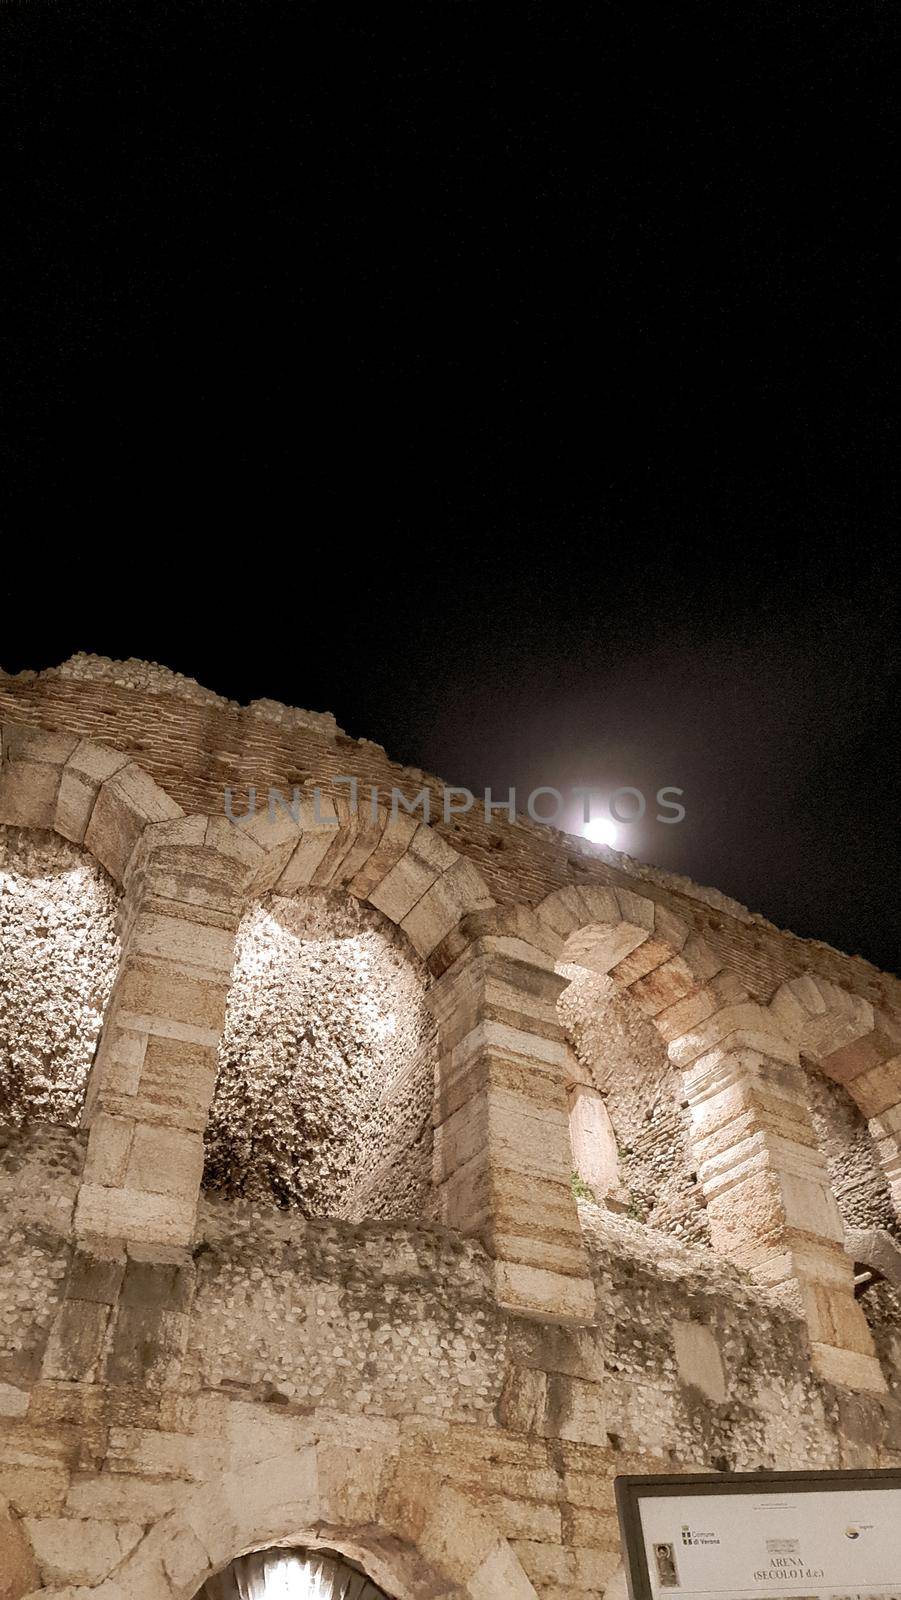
{"points": [[698, 1359], [459, 892], [126, 803], [31, 763], [397, 833], [878, 1088], [593, 1140], [502, 1153], [423, 862], [86, 769], [73, 1550], [152, 1322], [77, 1342]]}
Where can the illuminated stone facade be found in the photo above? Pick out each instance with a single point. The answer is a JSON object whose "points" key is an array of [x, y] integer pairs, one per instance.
{"points": [[421, 1178]]}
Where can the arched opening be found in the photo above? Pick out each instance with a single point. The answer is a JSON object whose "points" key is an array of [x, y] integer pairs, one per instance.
{"points": [[323, 1102], [650, 1174], [856, 1174], [872, 1228], [59, 952], [775, 1217], [292, 1574]]}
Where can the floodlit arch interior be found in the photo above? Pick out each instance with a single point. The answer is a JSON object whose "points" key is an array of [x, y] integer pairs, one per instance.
{"points": [[291, 1575]]}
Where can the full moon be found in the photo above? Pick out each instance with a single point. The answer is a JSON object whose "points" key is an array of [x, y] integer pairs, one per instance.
{"points": [[600, 831]]}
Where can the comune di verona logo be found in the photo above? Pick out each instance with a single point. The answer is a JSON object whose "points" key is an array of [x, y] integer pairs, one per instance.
{"points": [[692, 1536]]}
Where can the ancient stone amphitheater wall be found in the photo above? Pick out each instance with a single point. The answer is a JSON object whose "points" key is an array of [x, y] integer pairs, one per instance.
{"points": [[295, 1244]]}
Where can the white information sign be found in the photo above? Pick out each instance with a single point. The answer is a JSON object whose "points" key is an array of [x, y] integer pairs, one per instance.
{"points": [[780, 1537]]}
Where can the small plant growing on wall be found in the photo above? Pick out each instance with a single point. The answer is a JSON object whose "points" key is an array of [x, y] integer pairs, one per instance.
{"points": [[581, 1190]]}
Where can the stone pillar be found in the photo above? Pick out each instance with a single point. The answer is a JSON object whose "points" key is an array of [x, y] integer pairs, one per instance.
{"points": [[769, 1199], [153, 1079], [503, 1161]]}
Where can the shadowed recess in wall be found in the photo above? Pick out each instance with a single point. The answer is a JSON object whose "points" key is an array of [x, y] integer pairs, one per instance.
{"points": [[858, 1179], [58, 957], [323, 1101], [627, 1061]]}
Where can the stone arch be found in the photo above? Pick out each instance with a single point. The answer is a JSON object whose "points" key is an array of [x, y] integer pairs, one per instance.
{"points": [[677, 992], [325, 1091], [652, 955], [504, 1156], [92, 797], [856, 1045], [850, 1040], [766, 1183], [385, 859], [401, 866], [90, 794], [187, 880], [411, 1536]]}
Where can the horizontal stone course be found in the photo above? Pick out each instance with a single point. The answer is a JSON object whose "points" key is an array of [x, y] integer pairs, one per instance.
{"points": [[535, 858]]}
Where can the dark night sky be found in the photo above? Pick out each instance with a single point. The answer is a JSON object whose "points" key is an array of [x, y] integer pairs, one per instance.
{"points": [[507, 379]]}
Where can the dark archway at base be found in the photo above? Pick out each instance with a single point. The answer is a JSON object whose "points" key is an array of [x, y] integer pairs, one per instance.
{"points": [[290, 1574]]}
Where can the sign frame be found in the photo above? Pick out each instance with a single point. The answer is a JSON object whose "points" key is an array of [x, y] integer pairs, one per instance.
{"points": [[631, 1488]]}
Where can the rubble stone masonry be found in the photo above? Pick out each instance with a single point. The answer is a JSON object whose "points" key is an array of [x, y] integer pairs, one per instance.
{"points": [[391, 1187]]}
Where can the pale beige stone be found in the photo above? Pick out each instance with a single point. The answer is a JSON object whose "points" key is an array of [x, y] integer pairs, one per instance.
{"points": [[699, 1361], [457, 892], [126, 803], [28, 792], [189, 945], [165, 1161], [603, 946], [75, 802], [540, 1292], [79, 1550], [13, 1401], [119, 1213], [404, 885], [108, 1150], [96, 762], [593, 1141], [500, 1577]]}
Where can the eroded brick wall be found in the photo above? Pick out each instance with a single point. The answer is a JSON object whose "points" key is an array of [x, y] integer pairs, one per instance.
{"points": [[194, 743]]}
